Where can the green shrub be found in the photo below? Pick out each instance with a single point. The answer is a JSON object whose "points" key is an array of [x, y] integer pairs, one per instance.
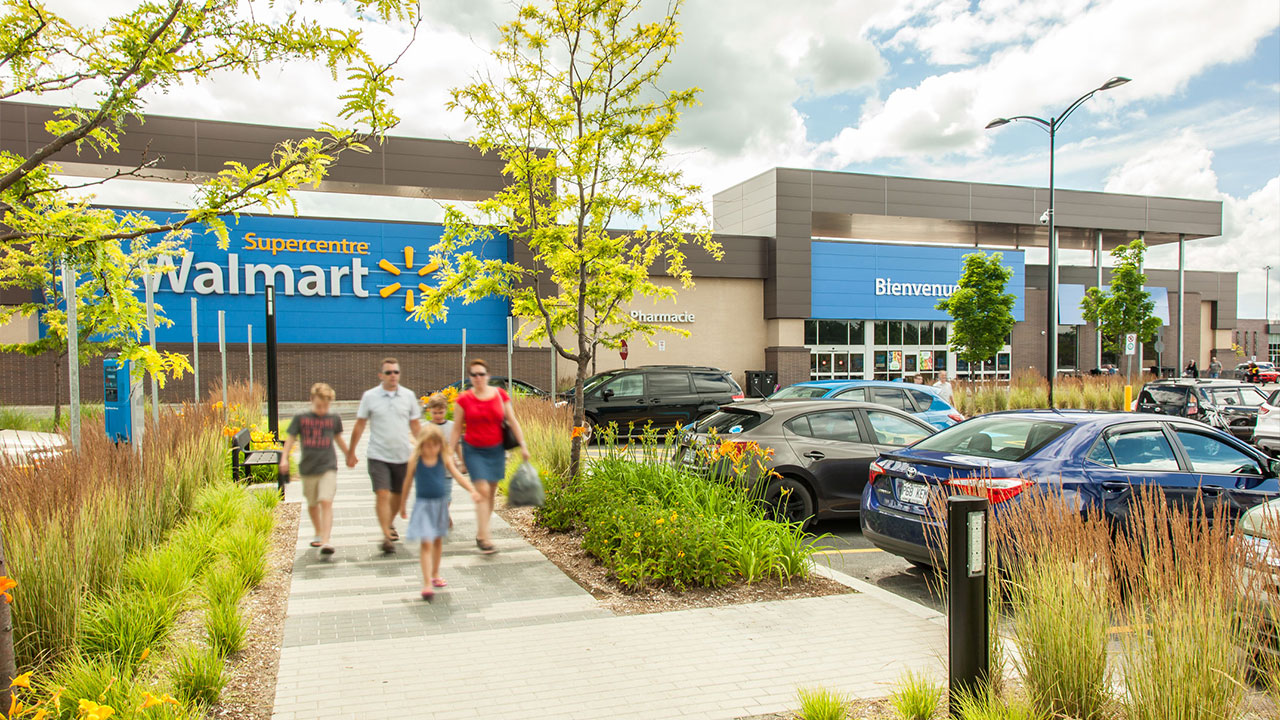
{"points": [[916, 697], [246, 551], [821, 704], [122, 625], [226, 628], [197, 675], [652, 524], [224, 503], [166, 571], [222, 584], [267, 499], [259, 521], [96, 679]]}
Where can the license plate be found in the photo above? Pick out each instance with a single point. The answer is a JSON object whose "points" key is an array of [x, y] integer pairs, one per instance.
{"points": [[914, 493]]}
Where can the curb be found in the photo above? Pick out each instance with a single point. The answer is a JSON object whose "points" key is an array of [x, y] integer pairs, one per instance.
{"points": [[910, 606]]}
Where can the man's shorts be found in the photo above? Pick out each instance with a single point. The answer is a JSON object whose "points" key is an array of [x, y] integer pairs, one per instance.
{"points": [[387, 476], [321, 487]]}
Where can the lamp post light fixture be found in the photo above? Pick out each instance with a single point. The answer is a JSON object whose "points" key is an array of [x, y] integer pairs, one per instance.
{"points": [[1051, 126]]}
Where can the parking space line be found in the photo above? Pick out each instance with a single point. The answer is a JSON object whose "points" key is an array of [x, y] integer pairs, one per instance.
{"points": [[847, 550]]}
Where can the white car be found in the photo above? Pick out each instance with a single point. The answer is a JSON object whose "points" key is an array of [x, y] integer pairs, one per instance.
{"points": [[1266, 433]]}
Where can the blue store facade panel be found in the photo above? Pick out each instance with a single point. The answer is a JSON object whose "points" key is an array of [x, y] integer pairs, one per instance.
{"points": [[338, 282], [874, 281], [873, 313]]}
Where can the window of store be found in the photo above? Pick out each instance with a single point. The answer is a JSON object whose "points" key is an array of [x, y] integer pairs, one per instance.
{"points": [[1068, 348], [894, 349], [1273, 347]]}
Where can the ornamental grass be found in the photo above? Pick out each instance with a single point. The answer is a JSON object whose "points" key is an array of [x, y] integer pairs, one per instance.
{"points": [[1028, 390], [70, 523], [653, 524]]}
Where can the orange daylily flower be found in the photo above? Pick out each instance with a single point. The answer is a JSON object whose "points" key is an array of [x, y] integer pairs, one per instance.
{"points": [[150, 701], [90, 710], [6, 584], [578, 431], [22, 681], [146, 653]]}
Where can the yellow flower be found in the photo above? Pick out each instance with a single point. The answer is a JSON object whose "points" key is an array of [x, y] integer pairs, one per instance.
{"points": [[660, 521], [146, 653], [22, 681], [15, 708], [680, 554], [637, 533], [90, 710], [150, 701], [6, 584], [217, 405]]}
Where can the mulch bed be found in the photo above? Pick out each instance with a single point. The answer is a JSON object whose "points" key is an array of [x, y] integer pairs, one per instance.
{"points": [[250, 693], [565, 550]]}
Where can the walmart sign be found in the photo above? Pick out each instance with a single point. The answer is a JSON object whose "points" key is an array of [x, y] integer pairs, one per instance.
{"points": [[337, 282]]}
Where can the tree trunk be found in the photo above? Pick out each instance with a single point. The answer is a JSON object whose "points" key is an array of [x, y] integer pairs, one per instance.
{"points": [[579, 417], [57, 394], [8, 662]]}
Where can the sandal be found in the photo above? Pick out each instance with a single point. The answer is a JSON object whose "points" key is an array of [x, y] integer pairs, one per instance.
{"points": [[315, 541], [486, 547], [439, 582], [394, 535], [428, 595], [388, 547]]}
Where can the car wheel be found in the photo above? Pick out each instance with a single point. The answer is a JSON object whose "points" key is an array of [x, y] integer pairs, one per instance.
{"points": [[922, 566], [790, 500]]}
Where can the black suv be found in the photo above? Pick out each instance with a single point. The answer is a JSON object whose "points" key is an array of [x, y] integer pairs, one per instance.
{"points": [[665, 395], [1229, 405]]}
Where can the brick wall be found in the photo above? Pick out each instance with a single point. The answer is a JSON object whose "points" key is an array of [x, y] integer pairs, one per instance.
{"points": [[791, 364], [349, 369]]}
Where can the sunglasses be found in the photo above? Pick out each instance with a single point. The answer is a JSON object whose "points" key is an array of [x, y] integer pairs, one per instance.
{"points": [[390, 372], [478, 374]]}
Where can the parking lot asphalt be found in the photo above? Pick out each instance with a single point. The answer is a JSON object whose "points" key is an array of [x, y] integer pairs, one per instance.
{"points": [[852, 554]]}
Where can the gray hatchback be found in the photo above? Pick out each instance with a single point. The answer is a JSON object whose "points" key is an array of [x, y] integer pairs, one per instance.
{"points": [[822, 449]]}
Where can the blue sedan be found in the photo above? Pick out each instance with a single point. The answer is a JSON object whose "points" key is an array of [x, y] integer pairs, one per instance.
{"points": [[923, 401], [1096, 459]]}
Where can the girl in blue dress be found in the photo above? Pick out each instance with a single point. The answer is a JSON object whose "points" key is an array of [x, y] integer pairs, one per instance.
{"points": [[429, 484]]}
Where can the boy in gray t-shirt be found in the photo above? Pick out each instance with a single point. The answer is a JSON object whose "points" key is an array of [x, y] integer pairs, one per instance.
{"points": [[318, 429]]}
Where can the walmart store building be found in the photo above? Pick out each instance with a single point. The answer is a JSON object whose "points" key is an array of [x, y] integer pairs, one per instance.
{"points": [[825, 274]]}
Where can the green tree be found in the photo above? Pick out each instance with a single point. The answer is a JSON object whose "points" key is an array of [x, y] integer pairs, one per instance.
{"points": [[109, 314], [47, 218], [980, 308], [580, 122], [1125, 307], [157, 46]]}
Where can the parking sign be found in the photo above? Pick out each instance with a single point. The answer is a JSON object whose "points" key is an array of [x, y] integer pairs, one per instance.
{"points": [[1130, 343]]}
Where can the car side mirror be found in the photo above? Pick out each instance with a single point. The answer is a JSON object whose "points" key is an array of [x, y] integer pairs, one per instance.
{"points": [[606, 394]]}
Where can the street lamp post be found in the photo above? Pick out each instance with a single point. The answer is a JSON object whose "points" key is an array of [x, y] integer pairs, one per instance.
{"points": [[1266, 303], [1051, 126]]}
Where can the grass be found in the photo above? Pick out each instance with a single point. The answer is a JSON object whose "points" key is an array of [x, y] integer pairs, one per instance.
{"points": [[821, 704], [222, 584], [121, 626], [164, 572], [12, 418], [71, 526], [1027, 389], [916, 697], [197, 675], [226, 628], [989, 706], [95, 679], [246, 551]]}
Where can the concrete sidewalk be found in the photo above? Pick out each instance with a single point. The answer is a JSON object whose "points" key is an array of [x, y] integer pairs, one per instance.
{"points": [[513, 637]]}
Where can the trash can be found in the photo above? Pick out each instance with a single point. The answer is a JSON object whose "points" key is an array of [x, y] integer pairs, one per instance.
{"points": [[760, 383]]}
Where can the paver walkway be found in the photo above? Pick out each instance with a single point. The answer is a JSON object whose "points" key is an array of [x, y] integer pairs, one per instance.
{"points": [[513, 637]]}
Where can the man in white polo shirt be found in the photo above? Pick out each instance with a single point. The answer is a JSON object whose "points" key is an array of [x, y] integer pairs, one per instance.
{"points": [[392, 413]]}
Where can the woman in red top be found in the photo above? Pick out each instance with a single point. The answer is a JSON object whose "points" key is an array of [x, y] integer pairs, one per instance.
{"points": [[477, 422]]}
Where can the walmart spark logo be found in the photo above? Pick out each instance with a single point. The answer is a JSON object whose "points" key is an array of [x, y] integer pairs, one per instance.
{"points": [[394, 287]]}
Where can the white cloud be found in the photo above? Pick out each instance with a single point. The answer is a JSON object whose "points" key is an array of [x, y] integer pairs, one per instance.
{"points": [[1161, 44], [1250, 238]]}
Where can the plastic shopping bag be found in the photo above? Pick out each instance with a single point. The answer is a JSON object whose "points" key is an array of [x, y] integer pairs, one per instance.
{"points": [[525, 487]]}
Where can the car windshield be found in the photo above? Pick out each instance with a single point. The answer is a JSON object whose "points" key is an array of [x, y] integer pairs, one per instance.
{"points": [[1000, 438], [800, 391], [1248, 396], [730, 422], [595, 381]]}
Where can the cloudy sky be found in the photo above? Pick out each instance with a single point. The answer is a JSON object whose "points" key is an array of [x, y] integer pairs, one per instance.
{"points": [[900, 87]]}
